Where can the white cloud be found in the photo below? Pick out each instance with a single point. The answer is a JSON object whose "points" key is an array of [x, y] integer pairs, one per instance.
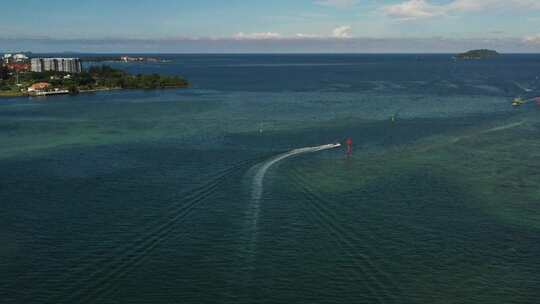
{"points": [[257, 36], [420, 9], [477, 5], [284, 45], [342, 32], [413, 9], [337, 3], [307, 36], [532, 39]]}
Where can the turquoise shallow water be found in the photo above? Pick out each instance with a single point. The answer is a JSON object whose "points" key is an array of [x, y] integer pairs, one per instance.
{"points": [[146, 196]]}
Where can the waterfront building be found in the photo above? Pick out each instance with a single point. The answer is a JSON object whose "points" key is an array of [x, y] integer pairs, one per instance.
{"points": [[18, 67], [40, 86], [15, 58], [6, 58], [20, 58], [67, 65], [36, 65]]}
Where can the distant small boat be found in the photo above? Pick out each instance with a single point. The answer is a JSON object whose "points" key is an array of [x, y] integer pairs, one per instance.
{"points": [[518, 102]]}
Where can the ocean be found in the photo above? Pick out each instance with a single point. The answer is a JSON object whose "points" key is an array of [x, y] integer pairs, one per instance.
{"points": [[200, 195]]}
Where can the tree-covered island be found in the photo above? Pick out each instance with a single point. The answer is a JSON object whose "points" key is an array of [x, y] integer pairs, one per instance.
{"points": [[95, 78], [478, 54]]}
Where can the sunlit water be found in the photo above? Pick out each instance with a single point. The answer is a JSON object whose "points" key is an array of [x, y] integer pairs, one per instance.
{"points": [[159, 197]]}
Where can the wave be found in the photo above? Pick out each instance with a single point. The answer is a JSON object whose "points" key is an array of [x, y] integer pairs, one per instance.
{"points": [[100, 277], [380, 286]]}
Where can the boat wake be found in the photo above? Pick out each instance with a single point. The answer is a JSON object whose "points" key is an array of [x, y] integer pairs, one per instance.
{"points": [[258, 180]]}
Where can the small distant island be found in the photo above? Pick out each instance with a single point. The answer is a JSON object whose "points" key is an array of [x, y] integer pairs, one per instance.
{"points": [[53, 76], [478, 54]]}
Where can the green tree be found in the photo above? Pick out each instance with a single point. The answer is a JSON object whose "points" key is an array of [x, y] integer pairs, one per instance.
{"points": [[4, 72], [73, 89]]}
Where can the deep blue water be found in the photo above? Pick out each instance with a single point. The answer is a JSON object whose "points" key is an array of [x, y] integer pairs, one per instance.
{"points": [[439, 74], [146, 196]]}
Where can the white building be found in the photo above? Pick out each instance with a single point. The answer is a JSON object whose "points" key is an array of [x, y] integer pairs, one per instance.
{"points": [[66, 65], [6, 58], [20, 57], [14, 58]]}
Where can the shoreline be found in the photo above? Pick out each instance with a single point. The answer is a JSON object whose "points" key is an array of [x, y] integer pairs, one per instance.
{"points": [[12, 94], [21, 94], [96, 79], [100, 90]]}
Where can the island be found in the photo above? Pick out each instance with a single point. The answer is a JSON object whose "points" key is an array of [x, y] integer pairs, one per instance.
{"points": [[95, 78], [478, 54]]}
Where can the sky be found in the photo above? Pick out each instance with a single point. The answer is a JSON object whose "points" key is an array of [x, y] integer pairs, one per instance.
{"points": [[270, 26]]}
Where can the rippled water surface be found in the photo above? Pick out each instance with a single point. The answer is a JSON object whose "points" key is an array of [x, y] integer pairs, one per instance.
{"points": [[189, 196]]}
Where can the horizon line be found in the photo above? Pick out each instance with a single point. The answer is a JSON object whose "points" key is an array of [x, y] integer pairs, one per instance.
{"points": [[258, 53]]}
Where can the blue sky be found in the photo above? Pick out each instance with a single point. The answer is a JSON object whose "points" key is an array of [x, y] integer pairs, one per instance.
{"points": [[271, 26]]}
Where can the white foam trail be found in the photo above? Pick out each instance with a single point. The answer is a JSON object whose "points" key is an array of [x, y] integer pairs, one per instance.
{"points": [[257, 191], [258, 180], [522, 87], [259, 175]]}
